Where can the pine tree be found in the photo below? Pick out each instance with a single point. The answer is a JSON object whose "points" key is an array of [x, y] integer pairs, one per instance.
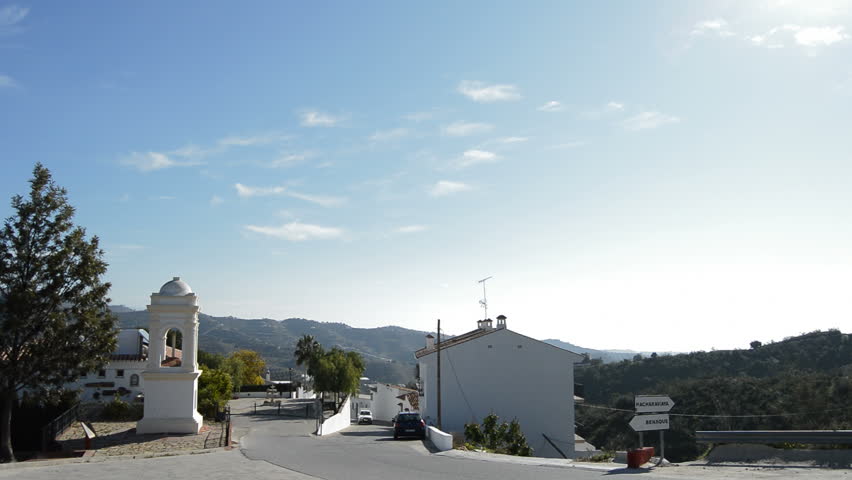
{"points": [[54, 320]]}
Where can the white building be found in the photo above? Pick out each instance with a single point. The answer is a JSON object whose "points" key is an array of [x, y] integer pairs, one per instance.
{"points": [[122, 375], [514, 376], [171, 381], [388, 400]]}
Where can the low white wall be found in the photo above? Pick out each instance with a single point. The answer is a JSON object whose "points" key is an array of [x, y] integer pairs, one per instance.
{"points": [[337, 422], [442, 441]]}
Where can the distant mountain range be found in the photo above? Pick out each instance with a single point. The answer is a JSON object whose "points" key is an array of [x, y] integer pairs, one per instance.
{"points": [[387, 351]]}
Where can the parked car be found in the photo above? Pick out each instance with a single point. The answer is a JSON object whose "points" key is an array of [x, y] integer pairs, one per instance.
{"points": [[365, 417], [409, 424]]}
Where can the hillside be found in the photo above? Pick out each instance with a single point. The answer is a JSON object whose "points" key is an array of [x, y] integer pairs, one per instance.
{"points": [[801, 382], [607, 356], [388, 351]]}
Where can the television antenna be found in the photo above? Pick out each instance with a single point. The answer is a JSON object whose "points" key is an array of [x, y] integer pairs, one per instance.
{"points": [[484, 301]]}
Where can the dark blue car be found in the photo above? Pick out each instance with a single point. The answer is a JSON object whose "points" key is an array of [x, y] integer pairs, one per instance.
{"points": [[409, 424]]}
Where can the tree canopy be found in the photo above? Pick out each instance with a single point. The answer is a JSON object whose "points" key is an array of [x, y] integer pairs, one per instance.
{"points": [[54, 320], [334, 371], [251, 367]]}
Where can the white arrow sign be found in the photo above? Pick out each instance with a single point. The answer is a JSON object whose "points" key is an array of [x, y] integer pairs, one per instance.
{"points": [[642, 423], [653, 403]]}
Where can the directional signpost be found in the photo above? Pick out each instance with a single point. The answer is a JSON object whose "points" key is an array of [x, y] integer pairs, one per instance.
{"points": [[652, 403], [658, 405], [643, 423]]}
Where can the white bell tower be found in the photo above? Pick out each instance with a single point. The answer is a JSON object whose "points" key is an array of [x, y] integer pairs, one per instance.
{"points": [[171, 376]]}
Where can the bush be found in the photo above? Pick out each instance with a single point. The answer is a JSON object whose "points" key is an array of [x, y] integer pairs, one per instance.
{"points": [[498, 437], [119, 410]]}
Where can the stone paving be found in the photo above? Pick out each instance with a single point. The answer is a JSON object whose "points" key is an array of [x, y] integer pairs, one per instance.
{"points": [[120, 438]]}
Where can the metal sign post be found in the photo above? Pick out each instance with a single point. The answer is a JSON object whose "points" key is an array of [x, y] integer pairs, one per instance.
{"points": [[656, 405]]}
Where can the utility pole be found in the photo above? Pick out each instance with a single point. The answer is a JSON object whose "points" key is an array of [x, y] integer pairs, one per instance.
{"points": [[438, 346]]}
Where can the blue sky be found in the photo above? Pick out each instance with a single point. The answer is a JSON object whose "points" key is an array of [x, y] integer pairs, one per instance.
{"points": [[648, 175]]}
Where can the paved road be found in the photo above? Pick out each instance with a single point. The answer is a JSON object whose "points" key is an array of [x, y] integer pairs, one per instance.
{"points": [[282, 447]]}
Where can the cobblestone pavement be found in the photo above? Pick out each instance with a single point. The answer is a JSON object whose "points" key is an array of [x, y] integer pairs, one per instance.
{"points": [[120, 438]]}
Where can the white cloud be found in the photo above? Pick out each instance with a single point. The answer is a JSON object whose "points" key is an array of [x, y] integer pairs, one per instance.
{"points": [[551, 106], [10, 16], [288, 160], [252, 140], [717, 26], [820, 36], [512, 139], [614, 107], [464, 129], [322, 200], [7, 81], [150, 161], [648, 120], [216, 200], [479, 92], [474, 157], [297, 231], [315, 118], [387, 135], [411, 229], [445, 187], [246, 191]]}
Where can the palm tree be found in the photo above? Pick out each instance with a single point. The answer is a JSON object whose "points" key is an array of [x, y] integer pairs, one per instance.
{"points": [[308, 349]]}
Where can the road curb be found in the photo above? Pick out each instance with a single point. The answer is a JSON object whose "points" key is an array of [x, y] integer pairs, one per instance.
{"points": [[531, 461]]}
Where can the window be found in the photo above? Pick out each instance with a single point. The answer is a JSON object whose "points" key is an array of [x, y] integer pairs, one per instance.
{"points": [[101, 373], [82, 374], [134, 380], [119, 373]]}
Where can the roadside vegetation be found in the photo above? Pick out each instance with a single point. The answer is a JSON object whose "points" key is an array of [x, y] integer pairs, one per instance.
{"points": [[335, 371], [496, 437], [223, 375], [800, 383]]}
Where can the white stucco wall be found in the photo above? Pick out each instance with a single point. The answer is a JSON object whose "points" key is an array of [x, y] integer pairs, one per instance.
{"points": [[337, 422], [533, 383], [442, 441], [129, 341], [385, 403], [130, 367]]}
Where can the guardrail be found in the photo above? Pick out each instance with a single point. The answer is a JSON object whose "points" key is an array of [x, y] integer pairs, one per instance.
{"points": [[58, 425], [835, 437]]}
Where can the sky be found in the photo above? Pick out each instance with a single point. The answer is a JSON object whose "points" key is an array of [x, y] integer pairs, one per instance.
{"points": [[656, 176]]}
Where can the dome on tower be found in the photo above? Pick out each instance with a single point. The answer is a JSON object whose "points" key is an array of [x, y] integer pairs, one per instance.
{"points": [[175, 288]]}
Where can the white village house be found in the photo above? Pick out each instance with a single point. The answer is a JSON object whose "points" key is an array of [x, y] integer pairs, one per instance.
{"points": [[493, 369], [122, 376], [385, 401]]}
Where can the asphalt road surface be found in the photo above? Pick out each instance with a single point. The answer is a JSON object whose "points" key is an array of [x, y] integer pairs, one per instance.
{"points": [[283, 447]]}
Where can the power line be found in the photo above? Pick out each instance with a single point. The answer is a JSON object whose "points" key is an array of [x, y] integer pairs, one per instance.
{"points": [[698, 415]]}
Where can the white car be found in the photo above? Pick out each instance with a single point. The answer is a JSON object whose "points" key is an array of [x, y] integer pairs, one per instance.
{"points": [[365, 416]]}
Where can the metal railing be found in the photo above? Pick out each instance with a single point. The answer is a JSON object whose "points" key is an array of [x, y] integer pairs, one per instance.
{"points": [[58, 425], [823, 437]]}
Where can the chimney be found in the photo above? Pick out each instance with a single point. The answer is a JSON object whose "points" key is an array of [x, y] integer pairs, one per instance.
{"points": [[430, 341], [484, 324], [501, 321]]}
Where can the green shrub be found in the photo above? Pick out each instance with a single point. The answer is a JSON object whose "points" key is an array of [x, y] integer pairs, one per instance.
{"points": [[497, 437], [119, 410]]}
